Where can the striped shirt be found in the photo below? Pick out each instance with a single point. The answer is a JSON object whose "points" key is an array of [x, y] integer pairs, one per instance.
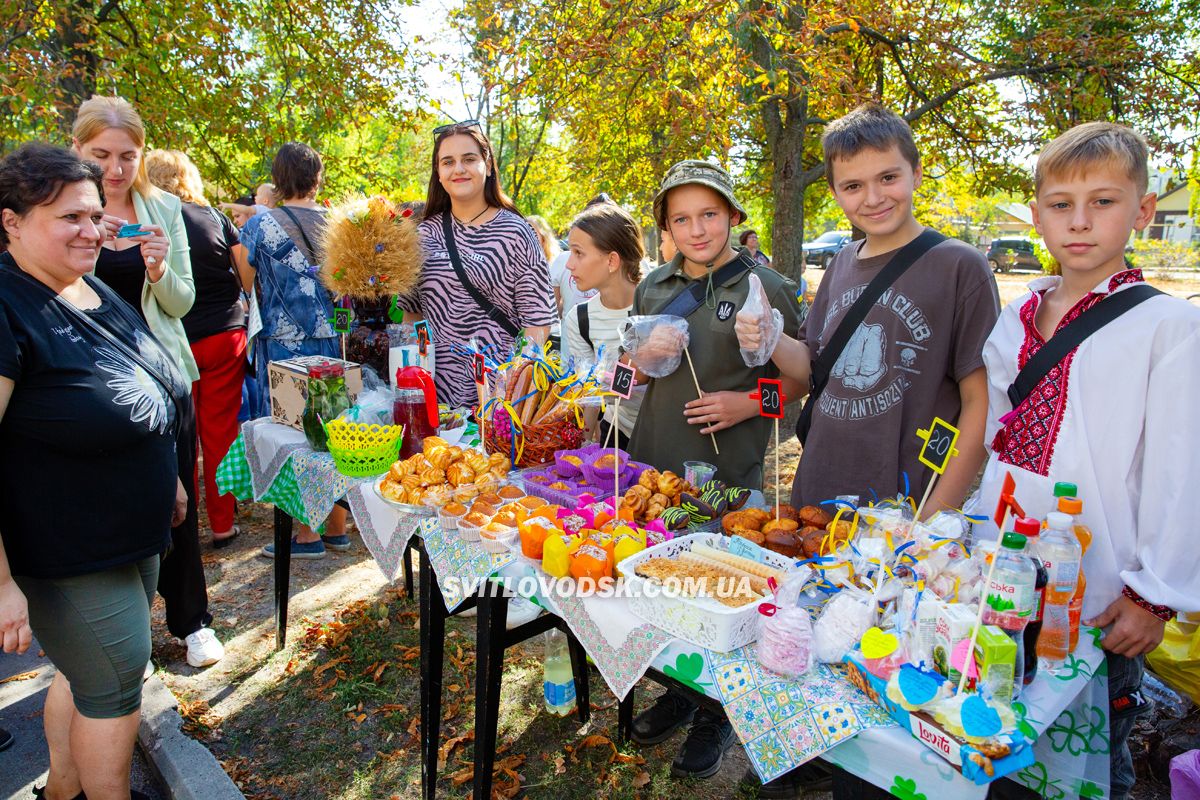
{"points": [[504, 261]]}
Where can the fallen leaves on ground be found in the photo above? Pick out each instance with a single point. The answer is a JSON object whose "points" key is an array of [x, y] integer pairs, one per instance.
{"points": [[199, 720]]}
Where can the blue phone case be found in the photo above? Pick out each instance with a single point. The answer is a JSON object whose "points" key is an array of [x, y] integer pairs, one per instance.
{"points": [[131, 230]]}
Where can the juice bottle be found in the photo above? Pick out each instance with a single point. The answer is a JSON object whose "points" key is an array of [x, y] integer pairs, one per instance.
{"points": [[1061, 553], [1074, 507]]}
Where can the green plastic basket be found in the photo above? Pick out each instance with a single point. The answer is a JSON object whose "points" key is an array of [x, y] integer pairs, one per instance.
{"points": [[360, 450]]}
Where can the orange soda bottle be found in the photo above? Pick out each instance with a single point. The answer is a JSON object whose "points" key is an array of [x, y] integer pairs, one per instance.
{"points": [[1074, 507]]}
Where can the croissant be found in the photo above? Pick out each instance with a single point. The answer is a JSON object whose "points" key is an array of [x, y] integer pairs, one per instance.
{"points": [[658, 498], [653, 510], [459, 473], [499, 462], [639, 491], [670, 484], [440, 457], [393, 491], [636, 504], [486, 482], [476, 460], [649, 479], [431, 442], [399, 470], [432, 476]]}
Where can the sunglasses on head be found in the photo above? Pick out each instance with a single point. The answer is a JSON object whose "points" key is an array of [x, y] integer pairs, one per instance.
{"points": [[454, 126]]}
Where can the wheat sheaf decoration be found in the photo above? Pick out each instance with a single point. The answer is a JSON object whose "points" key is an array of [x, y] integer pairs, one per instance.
{"points": [[371, 249]]}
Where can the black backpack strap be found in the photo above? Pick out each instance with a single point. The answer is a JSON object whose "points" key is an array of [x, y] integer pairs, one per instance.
{"points": [[487, 306], [585, 323], [691, 296], [822, 366], [1071, 336]]}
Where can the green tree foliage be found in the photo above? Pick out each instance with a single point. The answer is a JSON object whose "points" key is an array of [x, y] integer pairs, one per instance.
{"points": [[227, 82], [637, 85]]}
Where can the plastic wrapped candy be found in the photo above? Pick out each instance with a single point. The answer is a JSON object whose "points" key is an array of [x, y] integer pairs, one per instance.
{"points": [[655, 344], [785, 637], [841, 625], [973, 718], [768, 320], [913, 688]]}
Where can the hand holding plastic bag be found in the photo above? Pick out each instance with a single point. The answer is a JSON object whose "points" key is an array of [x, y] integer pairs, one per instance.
{"points": [[758, 326], [655, 343]]}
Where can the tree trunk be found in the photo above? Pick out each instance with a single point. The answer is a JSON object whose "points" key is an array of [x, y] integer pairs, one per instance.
{"points": [[787, 186], [74, 43]]}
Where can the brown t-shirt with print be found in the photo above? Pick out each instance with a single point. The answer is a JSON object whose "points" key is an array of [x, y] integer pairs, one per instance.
{"points": [[900, 369]]}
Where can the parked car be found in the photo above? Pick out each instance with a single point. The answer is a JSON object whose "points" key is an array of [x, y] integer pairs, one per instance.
{"points": [[821, 250], [1005, 254]]}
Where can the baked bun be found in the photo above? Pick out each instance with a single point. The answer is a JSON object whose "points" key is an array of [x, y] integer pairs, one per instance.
{"points": [[788, 512], [430, 442], [784, 542], [670, 484], [789, 525], [815, 517], [649, 479]]}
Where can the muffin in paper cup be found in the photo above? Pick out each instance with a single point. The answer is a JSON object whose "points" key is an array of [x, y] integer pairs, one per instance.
{"points": [[469, 531], [569, 463], [602, 467], [496, 538], [450, 514]]}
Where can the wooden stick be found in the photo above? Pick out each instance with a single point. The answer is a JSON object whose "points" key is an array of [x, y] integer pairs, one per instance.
{"points": [[987, 582], [343, 338], [616, 450], [604, 444], [687, 352], [777, 469], [924, 500]]}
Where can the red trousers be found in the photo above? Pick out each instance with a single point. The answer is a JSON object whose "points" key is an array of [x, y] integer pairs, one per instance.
{"points": [[221, 359]]}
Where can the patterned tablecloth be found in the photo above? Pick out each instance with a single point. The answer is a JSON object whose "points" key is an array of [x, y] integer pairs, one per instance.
{"points": [[781, 723]]}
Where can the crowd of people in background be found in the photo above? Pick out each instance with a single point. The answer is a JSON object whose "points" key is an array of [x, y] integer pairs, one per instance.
{"points": [[136, 318]]}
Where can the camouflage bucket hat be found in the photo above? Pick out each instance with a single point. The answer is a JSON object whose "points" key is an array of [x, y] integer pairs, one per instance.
{"points": [[699, 172]]}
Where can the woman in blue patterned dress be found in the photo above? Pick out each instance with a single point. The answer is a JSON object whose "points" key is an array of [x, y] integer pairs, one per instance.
{"points": [[296, 309]]}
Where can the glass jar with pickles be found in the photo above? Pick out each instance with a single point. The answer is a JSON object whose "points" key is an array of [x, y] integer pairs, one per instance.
{"points": [[327, 398]]}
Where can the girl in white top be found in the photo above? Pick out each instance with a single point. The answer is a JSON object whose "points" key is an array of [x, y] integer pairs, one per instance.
{"points": [[606, 251]]}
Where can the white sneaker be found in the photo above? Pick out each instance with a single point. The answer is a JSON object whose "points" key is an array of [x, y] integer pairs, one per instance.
{"points": [[521, 611], [203, 648]]}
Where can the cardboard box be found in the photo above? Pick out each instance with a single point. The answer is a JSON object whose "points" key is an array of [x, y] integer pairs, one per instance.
{"points": [[289, 386], [967, 759]]}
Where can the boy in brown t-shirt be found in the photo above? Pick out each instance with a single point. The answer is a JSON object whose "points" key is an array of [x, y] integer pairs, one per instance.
{"points": [[916, 355]]}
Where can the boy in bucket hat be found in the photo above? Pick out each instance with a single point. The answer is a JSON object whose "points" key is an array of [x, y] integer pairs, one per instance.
{"points": [[696, 205]]}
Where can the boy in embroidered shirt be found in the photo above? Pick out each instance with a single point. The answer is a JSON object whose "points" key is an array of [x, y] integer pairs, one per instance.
{"points": [[1116, 416]]}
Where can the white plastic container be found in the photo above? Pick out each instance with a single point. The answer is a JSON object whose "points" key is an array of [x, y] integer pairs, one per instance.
{"points": [[702, 621]]}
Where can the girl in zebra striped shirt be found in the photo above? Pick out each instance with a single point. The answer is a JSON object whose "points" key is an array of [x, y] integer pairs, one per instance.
{"points": [[499, 255]]}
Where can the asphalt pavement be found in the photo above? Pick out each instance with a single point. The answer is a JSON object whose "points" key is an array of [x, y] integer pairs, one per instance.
{"points": [[24, 765]]}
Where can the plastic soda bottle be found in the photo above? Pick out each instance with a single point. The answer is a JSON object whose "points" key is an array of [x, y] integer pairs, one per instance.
{"points": [[558, 682], [1074, 507], [1030, 529], [1061, 553], [1009, 597]]}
